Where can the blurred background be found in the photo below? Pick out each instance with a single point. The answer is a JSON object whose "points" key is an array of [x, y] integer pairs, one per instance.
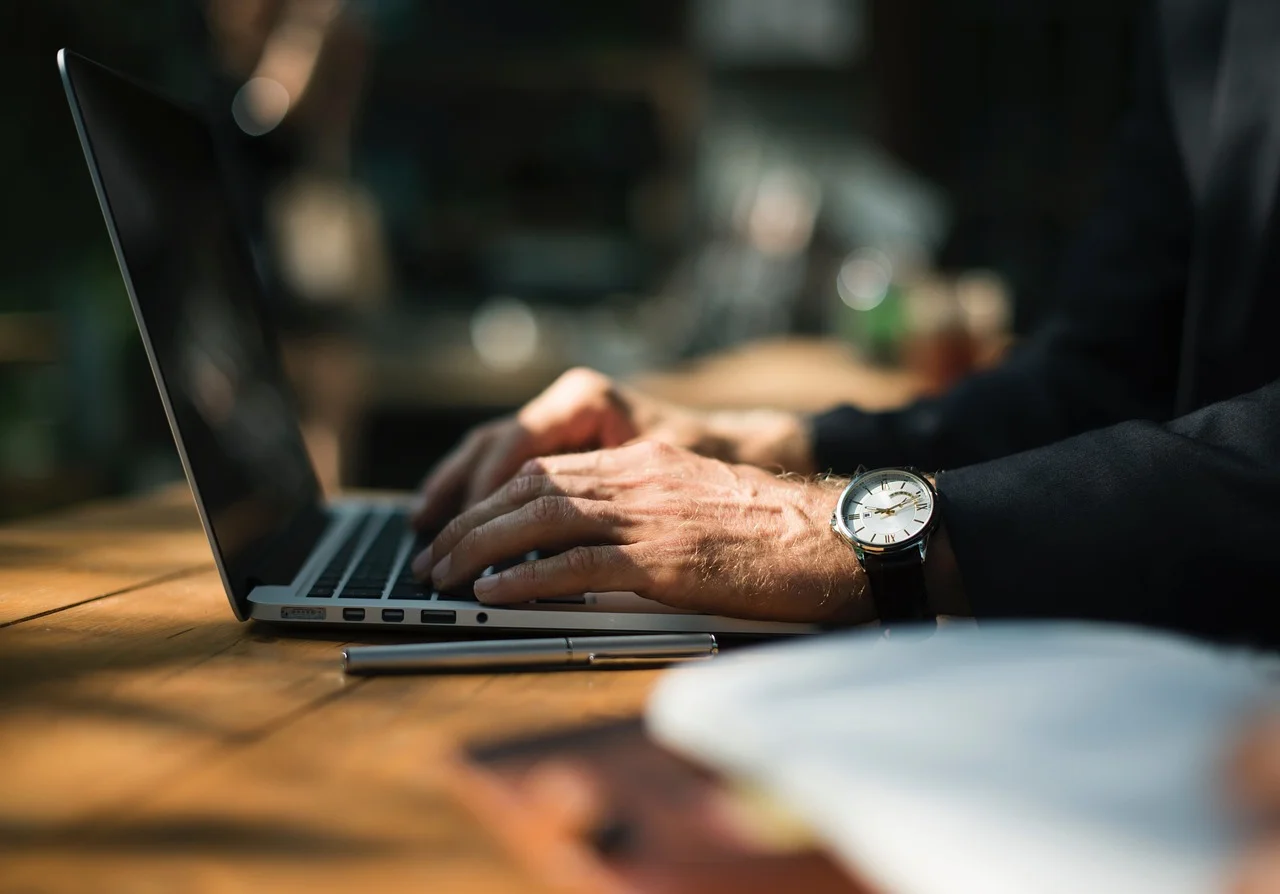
{"points": [[747, 202]]}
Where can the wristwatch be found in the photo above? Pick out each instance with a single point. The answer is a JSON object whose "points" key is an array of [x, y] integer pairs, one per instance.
{"points": [[887, 515]]}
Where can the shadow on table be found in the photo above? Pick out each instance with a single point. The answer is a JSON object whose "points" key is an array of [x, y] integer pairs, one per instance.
{"points": [[90, 674], [209, 836]]}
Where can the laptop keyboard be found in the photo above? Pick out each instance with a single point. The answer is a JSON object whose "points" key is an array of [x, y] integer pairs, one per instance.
{"points": [[368, 579], [372, 555]]}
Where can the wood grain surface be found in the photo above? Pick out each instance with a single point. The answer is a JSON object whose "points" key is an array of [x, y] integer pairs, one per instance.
{"points": [[149, 742]]}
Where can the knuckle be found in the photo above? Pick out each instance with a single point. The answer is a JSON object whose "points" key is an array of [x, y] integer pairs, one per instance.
{"points": [[526, 574], [465, 546], [583, 377], [526, 487], [449, 534], [547, 510], [582, 561], [530, 468], [655, 449]]}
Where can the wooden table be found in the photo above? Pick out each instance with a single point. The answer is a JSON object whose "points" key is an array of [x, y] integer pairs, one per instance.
{"points": [[151, 743]]}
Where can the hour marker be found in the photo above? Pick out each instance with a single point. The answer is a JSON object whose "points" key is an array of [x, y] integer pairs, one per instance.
{"points": [[873, 538], [857, 515], [884, 485], [906, 533], [859, 530], [888, 538]]}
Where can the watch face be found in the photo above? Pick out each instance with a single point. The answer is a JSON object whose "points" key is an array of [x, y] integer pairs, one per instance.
{"points": [[887, 508]]}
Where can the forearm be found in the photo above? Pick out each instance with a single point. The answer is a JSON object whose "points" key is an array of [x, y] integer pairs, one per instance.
{"points": [[1054, 388], [1170, 525]]}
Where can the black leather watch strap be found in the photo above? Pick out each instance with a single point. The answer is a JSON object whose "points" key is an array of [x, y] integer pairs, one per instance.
{"points": [[898, 588]]}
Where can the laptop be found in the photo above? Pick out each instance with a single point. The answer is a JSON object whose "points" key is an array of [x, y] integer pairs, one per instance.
{"points": [[285, 555]]}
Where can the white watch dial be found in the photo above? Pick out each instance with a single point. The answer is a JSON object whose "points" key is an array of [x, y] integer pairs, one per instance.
{"points": [[887, 508]]}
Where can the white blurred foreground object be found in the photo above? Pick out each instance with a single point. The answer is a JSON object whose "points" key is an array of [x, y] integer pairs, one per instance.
{"points": [[1008, 758]]}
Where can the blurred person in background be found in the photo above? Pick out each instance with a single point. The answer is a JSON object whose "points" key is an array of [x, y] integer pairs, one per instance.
{"points": [[1124, 464]]}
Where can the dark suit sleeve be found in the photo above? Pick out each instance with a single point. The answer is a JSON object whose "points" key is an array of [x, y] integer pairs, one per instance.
{"points": [[1172, 525], [1110, 353]]}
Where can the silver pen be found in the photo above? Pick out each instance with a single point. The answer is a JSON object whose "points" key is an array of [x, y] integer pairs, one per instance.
{"points": [[560, 651]]}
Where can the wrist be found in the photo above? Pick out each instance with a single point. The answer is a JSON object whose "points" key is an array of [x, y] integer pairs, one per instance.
{"points": [[847, 596], [914, 578], [769, 439]]}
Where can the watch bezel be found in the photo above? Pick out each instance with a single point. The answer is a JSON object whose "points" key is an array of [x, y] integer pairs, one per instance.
{"points": [[914, 542]]}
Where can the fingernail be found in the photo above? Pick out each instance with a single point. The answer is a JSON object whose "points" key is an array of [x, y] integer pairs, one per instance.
{"points": [[485, 585], [422, 563], [441, 570]]}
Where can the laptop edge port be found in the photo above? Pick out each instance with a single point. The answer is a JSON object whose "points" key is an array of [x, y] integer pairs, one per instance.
{"points": [[353, 614], [301, 613]]}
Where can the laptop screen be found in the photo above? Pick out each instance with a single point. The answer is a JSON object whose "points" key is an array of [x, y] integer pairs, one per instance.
{"points": [[197, 298]]}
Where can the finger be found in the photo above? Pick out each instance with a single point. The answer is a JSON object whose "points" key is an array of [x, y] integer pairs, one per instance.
{"points": [[633, 457], [573, 413], [514, 494], [506, 454], [443, 489], [552, 523], [583, 407], [583, 569]]}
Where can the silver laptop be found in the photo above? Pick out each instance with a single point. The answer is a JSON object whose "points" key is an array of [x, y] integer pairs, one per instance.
{"points": [[285, 555]]}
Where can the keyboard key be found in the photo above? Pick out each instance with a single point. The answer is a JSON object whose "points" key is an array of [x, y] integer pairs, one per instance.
{"points": [[368, 578], [460, 594], [409, 591], [325, 585]]}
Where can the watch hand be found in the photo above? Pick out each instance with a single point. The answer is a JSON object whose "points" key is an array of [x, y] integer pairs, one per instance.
{"points": [[889, 510]]}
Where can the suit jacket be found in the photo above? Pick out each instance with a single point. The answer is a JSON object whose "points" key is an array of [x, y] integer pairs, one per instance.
{"points": [[1125, 463]]}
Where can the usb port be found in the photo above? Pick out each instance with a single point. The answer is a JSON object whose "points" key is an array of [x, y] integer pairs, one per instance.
{"points": [[353, 614], [438, 616], [393, 614]]}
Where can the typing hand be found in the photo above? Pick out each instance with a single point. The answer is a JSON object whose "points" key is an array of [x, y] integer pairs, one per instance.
{"points": [[683, 529], [584, 410]]}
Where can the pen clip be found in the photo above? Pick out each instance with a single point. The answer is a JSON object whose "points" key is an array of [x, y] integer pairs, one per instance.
{"points": [[640, 650], [594, 658]]}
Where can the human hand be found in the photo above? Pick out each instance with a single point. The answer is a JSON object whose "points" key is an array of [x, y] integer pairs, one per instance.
{"points": [[683, 529], [585, 410]]}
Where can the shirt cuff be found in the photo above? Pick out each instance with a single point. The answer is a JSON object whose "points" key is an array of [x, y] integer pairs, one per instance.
{"points": [[846, 438]]}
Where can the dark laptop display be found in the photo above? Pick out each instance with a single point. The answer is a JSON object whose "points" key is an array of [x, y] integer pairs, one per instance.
{"points": [[196, 295], [285, 555]]}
